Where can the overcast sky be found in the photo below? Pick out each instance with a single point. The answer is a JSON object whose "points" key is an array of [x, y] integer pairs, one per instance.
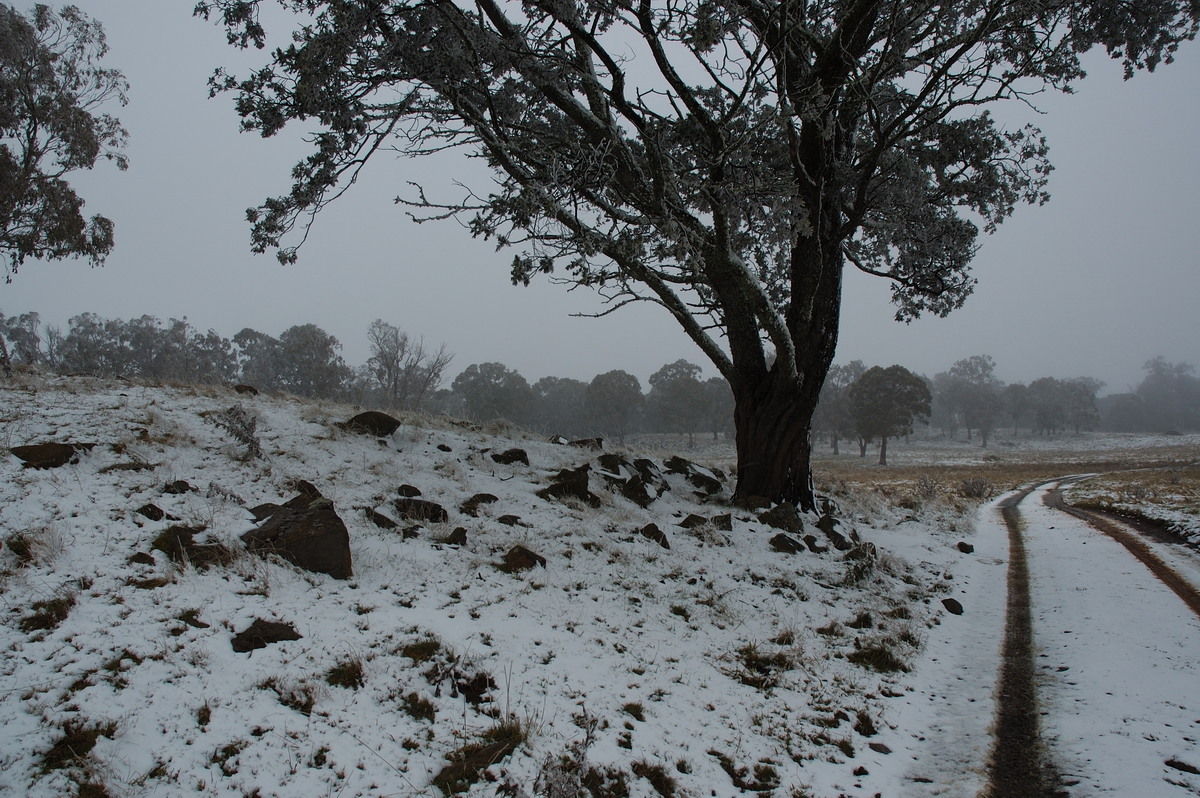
{"points": [[1096, 282]]}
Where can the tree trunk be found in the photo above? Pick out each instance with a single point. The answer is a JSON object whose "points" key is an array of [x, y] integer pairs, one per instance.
{"points": [[862, 447], [834, 436], [883, 450], [983, 434], [774, 445]]}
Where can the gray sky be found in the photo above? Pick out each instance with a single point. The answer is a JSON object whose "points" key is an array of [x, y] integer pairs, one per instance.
{"points": [[1096, 282]]}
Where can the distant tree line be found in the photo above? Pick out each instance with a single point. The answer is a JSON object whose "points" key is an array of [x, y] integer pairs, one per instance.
{"points": [[859, 404]]}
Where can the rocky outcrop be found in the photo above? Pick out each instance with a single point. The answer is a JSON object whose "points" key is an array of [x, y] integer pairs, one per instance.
{"points": [[50, 455], [371, 422], [571, 484], [307, 532], [262, 633]]}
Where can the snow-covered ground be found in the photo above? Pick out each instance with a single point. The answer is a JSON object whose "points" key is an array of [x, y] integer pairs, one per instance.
{"points": [[711, 668]]}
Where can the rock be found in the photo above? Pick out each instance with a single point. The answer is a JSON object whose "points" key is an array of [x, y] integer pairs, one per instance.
{"points": [[693, 521], [178, 488], [639, 481], [594, 444], [50, 455], [571, 484], [509, 520], [813, 545], [829, 525], [1181, 766], [444, 448], [952, 606], [308, 533], [652, 532], [879, 748], [861, 771], [456, 538], [966, 548], [723, 522], [783, 516], [457, 776], [152, 511], [421, 510], [411, 532], [178, 543], [379, 519], [786, 544], [245, 390], [520, 558], [262, 633], [511, 456], [471, 506], [141, 558], [408, 491], [703, 479], [371, 422], [264, 510], [754, 503]]}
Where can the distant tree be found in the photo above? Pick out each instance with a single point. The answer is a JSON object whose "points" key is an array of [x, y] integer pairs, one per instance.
{"points": [[492, 391], [1048, 405], [885, 403], [1079, 403], [402, 370], [834, 410], [614, 403], [95, 345], [560, 406], [258, 359], [1015, 398], [725, 160], [677, 400], [1124, 412], [309, 363], [971, 391], [1170, 394], [51, 90], [719, 401], [24, 335]]}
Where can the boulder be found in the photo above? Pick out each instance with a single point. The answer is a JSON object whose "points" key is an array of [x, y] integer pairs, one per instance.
{"points": [[408, 491], [705, 480], [966, 548], [783, 516], [379, 519], [456, 538], [520, 558], [571, 484], [509, 520], [178, 488], [829, 525], [511, 456], [471, 506], [262, 633], [371, 422], [640, 481], [652, 532], [785, 544], [152, 511], [813, 545], [952, 606], [50, 455], [308, 533], [420, 510], [693, 521]]}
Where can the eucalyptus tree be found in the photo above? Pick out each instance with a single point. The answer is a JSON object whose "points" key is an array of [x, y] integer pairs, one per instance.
{"points": [[885, 402], [52, 92], [725, 159]]}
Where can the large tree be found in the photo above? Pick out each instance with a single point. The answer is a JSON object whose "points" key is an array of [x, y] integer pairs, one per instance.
{"points": [[725, 159], [52, 88], [884, 403]]}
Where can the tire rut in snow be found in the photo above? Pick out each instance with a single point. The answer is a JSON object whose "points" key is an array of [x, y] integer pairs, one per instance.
{"points": [[1019, 766], [1116, 529]]}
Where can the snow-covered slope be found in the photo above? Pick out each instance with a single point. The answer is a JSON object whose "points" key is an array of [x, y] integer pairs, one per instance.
{"points": [[716, 666]]}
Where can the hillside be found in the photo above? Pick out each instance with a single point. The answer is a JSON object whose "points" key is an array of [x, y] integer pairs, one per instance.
{"points": [[697, 661]]}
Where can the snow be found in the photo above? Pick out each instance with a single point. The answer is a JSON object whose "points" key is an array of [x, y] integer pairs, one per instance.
{"points": [[614, 627]]}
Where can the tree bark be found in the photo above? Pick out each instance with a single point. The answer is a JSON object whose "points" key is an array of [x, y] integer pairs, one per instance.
{"points": [[883, 450], [774, 445]]}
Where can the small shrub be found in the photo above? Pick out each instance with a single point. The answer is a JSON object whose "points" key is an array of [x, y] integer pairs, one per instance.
{"points": [[421, 650], [657, 775], [635, 710], [419, 707], [48, 614], [348, 673], [878, 657], [76, 742], [300, 696], [468, 763], [760, 669], [242, 426], [976, 488], [928, 487]]}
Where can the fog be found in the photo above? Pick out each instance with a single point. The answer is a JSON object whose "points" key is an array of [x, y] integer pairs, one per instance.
{"points": [[1094, 284]]}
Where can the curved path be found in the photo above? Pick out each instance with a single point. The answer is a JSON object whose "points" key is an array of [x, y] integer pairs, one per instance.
{"points": [[1113, 660]]}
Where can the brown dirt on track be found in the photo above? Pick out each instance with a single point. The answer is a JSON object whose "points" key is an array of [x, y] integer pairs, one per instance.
{"points": [[1019, 768], [1116, 528]]}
